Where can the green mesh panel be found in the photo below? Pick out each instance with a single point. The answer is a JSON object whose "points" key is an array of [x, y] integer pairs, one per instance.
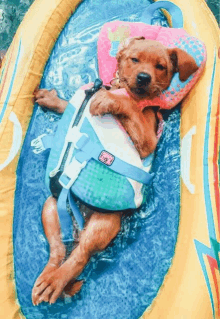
{"points": [[99, 186]]}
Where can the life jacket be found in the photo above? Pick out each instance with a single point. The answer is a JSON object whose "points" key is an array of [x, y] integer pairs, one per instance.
{"points": [[92, 158]]}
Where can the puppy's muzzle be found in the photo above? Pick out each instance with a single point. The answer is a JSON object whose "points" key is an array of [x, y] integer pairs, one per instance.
{"points": [[143, 79]]}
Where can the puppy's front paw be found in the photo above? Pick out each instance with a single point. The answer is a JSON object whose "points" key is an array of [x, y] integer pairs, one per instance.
{"points": [[101, 103], [50, 100], [46, 98]]}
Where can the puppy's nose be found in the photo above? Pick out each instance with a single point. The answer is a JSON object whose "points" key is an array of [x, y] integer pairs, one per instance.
{"points": [[143, 78]]}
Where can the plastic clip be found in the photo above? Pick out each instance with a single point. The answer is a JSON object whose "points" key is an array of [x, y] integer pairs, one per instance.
{"points": [[71, 173]]}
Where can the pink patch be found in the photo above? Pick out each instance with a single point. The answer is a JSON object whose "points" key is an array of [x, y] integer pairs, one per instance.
{"points": [[106, 158]]}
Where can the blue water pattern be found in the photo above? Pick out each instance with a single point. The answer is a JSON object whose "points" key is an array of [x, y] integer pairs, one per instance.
{"points": [[122, 281]]}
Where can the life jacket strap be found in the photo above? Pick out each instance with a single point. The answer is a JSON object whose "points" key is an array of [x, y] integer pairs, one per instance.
{"points": [[65, 218]]}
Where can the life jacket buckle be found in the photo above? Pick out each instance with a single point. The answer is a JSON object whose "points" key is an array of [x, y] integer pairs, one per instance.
{"points": [[71, 173]]}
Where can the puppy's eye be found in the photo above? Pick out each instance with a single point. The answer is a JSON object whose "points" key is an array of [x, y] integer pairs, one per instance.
{"points": [[160, 67], [135, 60]]}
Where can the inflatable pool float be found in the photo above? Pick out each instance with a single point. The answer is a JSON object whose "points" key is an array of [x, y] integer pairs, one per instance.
{"points": [[165, 261]]}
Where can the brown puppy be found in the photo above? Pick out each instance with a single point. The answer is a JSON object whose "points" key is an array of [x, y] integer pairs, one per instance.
{"points": [[145, 69]]}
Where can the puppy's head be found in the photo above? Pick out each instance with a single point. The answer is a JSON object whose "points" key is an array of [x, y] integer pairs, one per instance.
{"points": [[146, 67]]}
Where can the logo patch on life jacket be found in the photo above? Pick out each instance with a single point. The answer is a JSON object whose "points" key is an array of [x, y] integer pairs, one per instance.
{"points": [[106, 158]]}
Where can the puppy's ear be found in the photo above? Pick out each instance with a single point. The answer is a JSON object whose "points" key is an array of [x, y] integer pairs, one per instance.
{"points": [[183, 63], [125, 44]]}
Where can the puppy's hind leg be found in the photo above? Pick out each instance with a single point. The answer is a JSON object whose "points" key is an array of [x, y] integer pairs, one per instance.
{"points": [[100, 230], [51, 227], [98, 233]]}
